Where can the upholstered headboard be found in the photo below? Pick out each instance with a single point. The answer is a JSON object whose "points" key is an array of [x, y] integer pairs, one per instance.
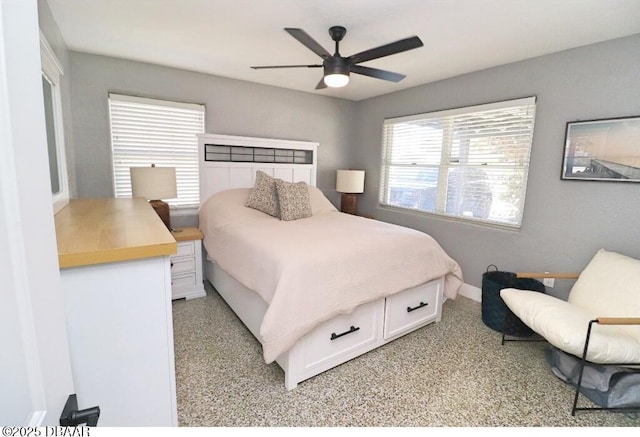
{"points": [[231, 162]]}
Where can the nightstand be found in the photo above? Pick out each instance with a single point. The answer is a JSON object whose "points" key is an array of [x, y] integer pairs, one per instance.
{"points": [[186, 264]]}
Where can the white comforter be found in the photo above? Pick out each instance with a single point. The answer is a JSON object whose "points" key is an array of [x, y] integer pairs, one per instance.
{"points": [[310, 270]]}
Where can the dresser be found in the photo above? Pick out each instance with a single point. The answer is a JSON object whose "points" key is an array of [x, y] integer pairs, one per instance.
{"points": [[186, 264], [115, 275]]}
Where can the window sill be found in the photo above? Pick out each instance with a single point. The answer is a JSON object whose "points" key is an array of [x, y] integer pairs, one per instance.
{"points": [[461, 220]]}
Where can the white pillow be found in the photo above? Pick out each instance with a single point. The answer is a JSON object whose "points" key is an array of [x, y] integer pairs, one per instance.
{"points": [[609, 286], [319, 203], [226, 207]]}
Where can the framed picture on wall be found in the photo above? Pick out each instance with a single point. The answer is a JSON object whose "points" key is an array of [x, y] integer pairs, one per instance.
{"points": [[603, 150]]}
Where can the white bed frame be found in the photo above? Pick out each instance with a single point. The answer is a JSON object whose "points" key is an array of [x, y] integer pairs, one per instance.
{"points": [[341, 338]]}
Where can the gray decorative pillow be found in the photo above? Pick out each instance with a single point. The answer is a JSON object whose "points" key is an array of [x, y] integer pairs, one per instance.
{"points": [[294, 199], [264, 196]]}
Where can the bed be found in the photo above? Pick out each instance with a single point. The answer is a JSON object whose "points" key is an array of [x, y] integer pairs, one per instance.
{"points": [[315, 291]]}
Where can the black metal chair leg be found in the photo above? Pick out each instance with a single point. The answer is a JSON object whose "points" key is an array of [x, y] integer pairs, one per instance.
{"points": [[575, 398], [583, 362]]}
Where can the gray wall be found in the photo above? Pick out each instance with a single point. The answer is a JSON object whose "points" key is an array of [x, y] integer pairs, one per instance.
{"points": [[564, 222], [232, 107]]}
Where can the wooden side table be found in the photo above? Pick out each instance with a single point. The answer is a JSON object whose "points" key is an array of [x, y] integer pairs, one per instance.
{"points": [[186, 265]]}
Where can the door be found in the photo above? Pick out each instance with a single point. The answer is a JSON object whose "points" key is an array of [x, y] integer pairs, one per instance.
{"points": [[35, 370]]}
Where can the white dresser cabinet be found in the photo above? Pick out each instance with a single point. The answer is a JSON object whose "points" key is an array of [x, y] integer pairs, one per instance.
{"points": [[114, 272], [186, 265]]}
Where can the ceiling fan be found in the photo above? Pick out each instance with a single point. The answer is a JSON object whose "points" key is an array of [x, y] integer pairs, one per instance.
{"points": [[337, 67]]}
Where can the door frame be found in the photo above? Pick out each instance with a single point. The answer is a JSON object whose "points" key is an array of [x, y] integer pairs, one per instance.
{"points": [[28, 225]]}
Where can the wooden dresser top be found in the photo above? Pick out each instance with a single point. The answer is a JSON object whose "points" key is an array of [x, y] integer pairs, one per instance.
{"points": [[97, 231]]}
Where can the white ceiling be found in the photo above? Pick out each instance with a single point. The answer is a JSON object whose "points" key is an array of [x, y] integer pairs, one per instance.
{"points": [[226, 37]]}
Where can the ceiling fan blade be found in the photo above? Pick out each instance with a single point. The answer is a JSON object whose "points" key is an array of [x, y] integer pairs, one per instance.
{"points": [[261, 67], [309, 42], [321, 84], [377, 73], [388, 49]]}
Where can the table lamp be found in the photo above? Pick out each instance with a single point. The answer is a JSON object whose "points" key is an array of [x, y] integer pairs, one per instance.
{"points": [[155, 183], [349, 182]]}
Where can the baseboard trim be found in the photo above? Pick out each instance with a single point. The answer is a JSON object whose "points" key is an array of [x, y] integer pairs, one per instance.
{"points": [[471, 292]]}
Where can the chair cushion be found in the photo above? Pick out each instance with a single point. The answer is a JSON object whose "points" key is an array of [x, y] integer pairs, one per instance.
{"points": [[609, 286], [565, 325]]}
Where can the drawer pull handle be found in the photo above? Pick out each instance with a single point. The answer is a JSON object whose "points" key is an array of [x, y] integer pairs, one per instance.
{"points": [[352, 329], [422, 304]]}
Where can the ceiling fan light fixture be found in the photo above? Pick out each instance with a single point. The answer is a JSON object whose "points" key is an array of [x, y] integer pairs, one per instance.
{"points": [[336, 80], [336, 72], [337, 68]]}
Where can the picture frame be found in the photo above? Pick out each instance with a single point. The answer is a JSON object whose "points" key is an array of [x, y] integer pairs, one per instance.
{"points": [[602, 150]]}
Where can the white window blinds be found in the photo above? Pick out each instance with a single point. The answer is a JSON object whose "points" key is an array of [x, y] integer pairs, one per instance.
{"points": [[471, 163], [147, 131]]}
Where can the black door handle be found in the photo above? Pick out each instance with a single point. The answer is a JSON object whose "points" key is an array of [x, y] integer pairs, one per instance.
{"points": [[71, 416]]}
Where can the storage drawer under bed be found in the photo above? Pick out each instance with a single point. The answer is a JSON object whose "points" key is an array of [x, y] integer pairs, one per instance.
{"points": [[410, 308], [344, 335]]}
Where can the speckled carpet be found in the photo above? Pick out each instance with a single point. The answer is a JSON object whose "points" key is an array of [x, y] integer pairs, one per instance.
{"points": [[453, 373]]}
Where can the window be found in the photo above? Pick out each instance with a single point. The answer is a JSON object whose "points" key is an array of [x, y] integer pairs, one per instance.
{"points": [[51, 75], [469, 163], [147, 131]]}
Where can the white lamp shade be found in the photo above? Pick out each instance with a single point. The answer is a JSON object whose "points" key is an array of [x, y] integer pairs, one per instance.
{"points": [[153, 183], [350, 181], [336, 80]]}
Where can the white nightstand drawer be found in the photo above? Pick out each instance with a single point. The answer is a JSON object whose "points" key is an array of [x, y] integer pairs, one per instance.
{"points": [[180, 281], [185, 248], [186, 264], [183, 265], [415, 306]]}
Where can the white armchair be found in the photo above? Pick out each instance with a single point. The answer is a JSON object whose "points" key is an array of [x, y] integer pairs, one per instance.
{"points": [[600, 321]]}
